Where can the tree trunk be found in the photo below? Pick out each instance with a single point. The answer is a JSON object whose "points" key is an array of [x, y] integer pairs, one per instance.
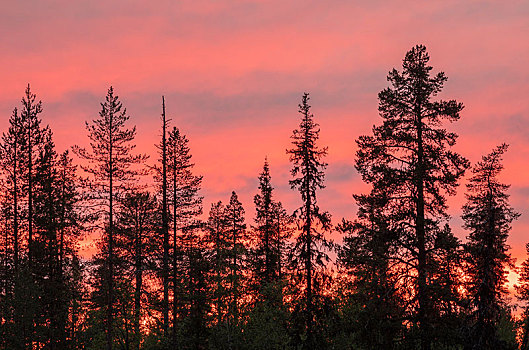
{"points": [[165, 227], [421, 240], [30, 193], [234, 274], [175, 289], [110, 245], [308, 239], [15, 201], [137, 291]]}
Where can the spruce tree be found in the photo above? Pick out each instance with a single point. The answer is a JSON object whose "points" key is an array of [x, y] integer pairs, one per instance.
{"points": [[267, 319], [110, 164], [369, 256], [307, 171], [410, 155], [272, 229], [237, 236], [218, 245], [488, 216], [265, 253]]}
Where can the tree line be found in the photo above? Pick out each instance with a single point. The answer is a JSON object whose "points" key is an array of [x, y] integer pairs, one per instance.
{"points": [[163, 278]]}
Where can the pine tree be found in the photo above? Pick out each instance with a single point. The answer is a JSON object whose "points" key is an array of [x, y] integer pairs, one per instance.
{"points": [[32, 140], [307, 170], [20, 148], [410, 155], [110, 165], [488, 216]]}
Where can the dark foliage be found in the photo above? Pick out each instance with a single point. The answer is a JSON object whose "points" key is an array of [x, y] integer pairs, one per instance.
{"points": [[163, 276]]}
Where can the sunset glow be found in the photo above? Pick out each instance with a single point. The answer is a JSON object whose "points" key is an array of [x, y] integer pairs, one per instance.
{"points": [[232, 73]]}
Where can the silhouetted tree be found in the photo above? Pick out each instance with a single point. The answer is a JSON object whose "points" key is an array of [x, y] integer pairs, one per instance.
{"points": [[165, 222], [218, 245], [110, 165], [307, 170], [11, 152], [163, 279], [407, 152], [410, 155], [370, 256], [237, 236], [58, 223], [12, 169], [20, 149], [45, 248], [186, 205], [267, 325], [33, 136], [488, 215], [265, 253]]}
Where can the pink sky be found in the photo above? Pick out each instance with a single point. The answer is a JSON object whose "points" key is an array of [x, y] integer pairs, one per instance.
{"points": [[233, 73]]}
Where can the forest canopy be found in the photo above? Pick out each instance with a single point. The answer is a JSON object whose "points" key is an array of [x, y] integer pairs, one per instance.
{"points": [[171, 274]]}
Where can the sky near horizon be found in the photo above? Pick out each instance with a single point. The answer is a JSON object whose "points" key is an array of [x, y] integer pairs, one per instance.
{"points": [[233, 73]]}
